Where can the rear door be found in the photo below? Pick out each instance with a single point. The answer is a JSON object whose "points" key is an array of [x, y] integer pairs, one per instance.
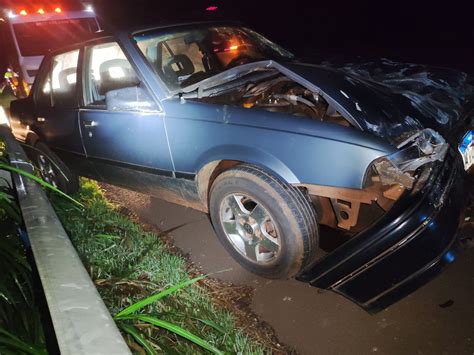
{"points": [[122, 127], [57, 107]]}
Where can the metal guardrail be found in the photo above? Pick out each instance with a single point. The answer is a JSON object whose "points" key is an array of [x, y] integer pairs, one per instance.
{"points": [[81, 321]]}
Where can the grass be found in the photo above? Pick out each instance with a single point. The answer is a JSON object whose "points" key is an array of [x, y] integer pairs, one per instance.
{"points": [[21, 330], [129, 264]]}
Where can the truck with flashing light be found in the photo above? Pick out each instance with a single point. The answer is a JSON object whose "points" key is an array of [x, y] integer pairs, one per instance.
{"points": [[28, 32]]}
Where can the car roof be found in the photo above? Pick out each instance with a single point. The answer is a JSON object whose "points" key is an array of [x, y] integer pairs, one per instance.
{"points": [[165, 25]]}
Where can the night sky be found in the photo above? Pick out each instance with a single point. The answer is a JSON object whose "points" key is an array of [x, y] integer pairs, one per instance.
{"points": [[436, 33]]}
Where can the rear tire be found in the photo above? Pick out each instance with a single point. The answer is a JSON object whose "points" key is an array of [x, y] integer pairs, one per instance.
{"points": [[53, 170], [269, 227]]}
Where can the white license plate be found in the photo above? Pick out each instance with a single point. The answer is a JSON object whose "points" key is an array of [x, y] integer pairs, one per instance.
{"points": [[466, 148]]}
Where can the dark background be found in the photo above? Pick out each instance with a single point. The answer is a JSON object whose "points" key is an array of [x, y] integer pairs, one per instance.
{"points": [[437, 33]]}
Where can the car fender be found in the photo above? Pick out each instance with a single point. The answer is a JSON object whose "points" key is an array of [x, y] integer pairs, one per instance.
{"points": [[250, 155]]}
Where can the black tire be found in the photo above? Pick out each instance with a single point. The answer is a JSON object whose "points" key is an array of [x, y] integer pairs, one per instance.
{"points": [[290, 211], [53, 170]]}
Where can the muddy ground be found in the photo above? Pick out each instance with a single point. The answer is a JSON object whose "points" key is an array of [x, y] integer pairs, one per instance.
{"points": [[436, 319]]}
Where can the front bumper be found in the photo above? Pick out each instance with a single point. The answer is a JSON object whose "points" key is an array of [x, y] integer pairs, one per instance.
{"points": [[403, 250]]}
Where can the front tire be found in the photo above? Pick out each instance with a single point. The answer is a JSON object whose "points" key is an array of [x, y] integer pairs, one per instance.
{"points": [[53, 170], [269, 227]]}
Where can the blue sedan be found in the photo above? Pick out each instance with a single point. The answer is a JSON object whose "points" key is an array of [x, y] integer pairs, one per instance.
{"points": [[348, 177]]}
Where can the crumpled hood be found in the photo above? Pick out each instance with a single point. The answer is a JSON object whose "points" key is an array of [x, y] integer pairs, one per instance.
{"points": [[394, 100]]}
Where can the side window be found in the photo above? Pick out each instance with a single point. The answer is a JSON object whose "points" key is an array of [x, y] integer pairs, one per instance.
{"points": [[43, 86], [176, 58], [111, 82], [63, 80]]}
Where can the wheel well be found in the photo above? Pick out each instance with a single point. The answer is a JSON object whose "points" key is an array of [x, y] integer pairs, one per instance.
{"points": [[208, 174]]}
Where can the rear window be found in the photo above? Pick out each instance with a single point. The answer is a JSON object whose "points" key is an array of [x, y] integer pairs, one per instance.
{"points": [[36, 38]]}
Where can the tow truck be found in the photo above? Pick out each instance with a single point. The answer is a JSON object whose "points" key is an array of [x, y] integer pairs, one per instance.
{"points": [[28, 32]]}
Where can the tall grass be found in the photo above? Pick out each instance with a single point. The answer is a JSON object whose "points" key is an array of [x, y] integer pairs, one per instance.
{"points": [[20, 324]]}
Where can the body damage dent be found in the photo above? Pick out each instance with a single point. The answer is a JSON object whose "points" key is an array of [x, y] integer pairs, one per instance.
{"points": [[422, 148]]}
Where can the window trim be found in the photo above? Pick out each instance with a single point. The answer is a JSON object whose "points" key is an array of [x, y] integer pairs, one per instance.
{"points": [[107, 40], [44, 73], [76, 87]]}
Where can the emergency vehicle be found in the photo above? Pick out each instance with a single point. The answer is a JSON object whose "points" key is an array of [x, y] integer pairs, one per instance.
{"points": [[28, 32]]}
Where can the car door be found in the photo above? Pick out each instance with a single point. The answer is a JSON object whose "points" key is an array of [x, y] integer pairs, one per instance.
{"points": [[122, 126], [56, 105], [56, 114]]}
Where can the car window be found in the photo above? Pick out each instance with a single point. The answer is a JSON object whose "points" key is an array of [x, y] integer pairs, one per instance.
{"points": [[63, 82], [186, 56], [178, 46], [111, 82], [43, 84]]}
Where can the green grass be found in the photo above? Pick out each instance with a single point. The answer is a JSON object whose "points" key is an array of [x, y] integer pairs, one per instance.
{"points": [[129, 264], [21, 330]]}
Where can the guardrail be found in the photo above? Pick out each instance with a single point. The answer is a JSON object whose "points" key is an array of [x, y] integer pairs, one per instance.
{"points": [[81, 321]]}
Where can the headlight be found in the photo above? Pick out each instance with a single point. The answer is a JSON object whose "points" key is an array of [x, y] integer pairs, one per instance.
{"points": [[422, 148]]}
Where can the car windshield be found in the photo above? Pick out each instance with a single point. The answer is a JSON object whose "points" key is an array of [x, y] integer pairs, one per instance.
{"points": [[185, 57], [36, 38]]}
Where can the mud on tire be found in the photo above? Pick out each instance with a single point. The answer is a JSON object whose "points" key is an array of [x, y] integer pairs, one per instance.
{"points": [[251, 208]]}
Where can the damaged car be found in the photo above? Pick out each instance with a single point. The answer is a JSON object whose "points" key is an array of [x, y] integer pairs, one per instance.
{"points": [[346, 177]]}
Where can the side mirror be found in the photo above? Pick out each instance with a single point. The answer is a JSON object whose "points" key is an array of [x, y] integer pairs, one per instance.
{"points": [[134, 98]]}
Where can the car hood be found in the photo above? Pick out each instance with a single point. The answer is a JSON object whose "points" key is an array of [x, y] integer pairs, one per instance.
{"points": [[389, 99]]}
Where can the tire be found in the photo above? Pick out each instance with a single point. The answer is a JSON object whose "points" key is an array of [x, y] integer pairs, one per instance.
{"points": [[53, 170], [269, 227]]}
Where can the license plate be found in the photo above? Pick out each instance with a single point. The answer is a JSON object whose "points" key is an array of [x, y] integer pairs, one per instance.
{"points": [[466, 148]]}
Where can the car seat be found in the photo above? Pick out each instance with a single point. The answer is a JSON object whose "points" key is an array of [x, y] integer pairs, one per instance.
{"points": [[178, 68], [122, 77]]}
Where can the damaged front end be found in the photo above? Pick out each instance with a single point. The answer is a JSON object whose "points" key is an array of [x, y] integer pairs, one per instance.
{"points": [[420, 150], [403, 249], [387, 179], [271, 87]]}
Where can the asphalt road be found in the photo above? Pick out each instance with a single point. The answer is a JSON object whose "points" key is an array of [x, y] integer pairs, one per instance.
{"points": [[436, 319]]}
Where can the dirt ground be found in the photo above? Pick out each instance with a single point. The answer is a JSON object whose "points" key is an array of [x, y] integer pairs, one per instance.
{"points": [[436, 319]]}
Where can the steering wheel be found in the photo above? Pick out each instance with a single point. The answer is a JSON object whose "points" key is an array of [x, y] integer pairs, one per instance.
{"points": [[240, 60]]}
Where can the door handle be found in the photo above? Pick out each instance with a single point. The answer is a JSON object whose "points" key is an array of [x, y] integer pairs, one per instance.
{"points": [[89, 123]]}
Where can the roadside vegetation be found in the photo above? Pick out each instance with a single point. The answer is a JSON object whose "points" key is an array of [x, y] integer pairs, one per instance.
{"points": [[21, 331], [129, 264]]}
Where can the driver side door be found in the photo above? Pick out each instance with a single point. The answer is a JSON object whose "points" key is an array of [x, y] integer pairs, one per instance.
{"points": [[122, 127]]}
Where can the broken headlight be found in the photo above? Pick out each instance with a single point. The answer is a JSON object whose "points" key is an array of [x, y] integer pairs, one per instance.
{"points": [[426, 146]]}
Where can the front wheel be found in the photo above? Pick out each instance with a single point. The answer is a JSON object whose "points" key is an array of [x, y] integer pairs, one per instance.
{"points": [[268, 226]]}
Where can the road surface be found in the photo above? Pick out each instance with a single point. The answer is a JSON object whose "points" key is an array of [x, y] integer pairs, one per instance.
{"points": [[437, 319]]}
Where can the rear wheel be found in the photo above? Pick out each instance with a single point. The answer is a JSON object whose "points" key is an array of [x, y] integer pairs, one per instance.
{"points": [[53, 170], [268, 226]]}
